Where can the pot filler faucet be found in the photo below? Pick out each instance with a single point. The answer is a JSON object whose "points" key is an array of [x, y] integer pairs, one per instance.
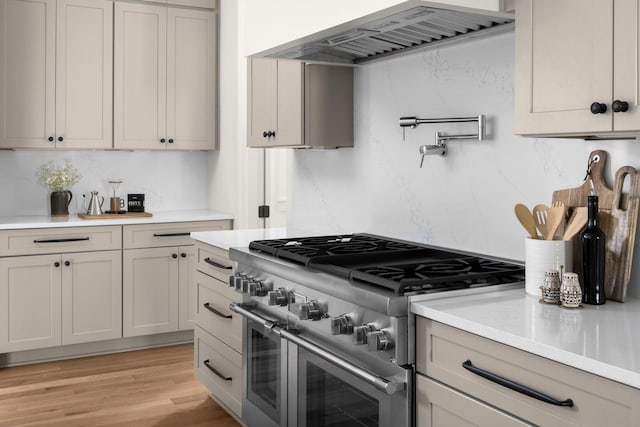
{"points": [[440, 147]]}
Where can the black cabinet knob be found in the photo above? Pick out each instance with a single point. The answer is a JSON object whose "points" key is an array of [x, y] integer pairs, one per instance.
{"points": [[162, 140], [183, 255], [67, 263], [50, 139], [174, 255], [265, 134], [60, 139], [171, 141], [598, 108], [56, 264], [619, 106]]}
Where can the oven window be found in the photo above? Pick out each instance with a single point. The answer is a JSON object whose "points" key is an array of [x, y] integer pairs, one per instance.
{"points": [[263, 373], [333, 402]]}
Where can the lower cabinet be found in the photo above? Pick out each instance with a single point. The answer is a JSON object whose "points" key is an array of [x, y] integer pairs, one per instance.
{"points": [[57, 299], [458, 385]]}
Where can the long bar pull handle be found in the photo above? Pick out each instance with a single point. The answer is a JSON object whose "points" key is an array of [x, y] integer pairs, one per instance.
{"points": [[170, 234], [215, 264], [382, 384], [216, 312], [70, 239], [515, 386], [215, 371]]}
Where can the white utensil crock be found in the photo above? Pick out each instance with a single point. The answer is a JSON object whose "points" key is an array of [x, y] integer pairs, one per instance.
{"points": [[543, 255]]}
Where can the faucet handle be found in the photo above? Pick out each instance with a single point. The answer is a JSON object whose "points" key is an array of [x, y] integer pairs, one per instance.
{"points": [[429, 150]]}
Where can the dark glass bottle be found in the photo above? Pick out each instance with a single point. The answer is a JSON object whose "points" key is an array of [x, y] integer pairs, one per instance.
{"points": [[593, 257]]}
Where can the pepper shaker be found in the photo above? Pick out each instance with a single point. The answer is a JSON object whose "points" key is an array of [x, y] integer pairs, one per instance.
{"points": [[570, 291], [551, 287]]}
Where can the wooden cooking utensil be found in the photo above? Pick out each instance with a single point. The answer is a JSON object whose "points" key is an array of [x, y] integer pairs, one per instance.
{"points": [[540, 216], [576, 222], [525, 217], [555, 215]]}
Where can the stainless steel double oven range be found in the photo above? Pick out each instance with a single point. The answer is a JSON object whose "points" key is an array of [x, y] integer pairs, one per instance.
{"points": [[328, 340]]}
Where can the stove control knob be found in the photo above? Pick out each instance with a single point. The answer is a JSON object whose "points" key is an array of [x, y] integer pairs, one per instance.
{"points": [[232, 280], [362, 333], [341, 325], [279, 296], [309, 310], [378, 341], [257, 289]]}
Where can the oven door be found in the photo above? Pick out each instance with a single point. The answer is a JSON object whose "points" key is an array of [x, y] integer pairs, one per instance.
{"points": [[265, 371], [324, 394]]}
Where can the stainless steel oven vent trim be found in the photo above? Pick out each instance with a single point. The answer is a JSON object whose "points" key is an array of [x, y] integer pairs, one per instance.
{"points": [[383, 384], [414, 28]]}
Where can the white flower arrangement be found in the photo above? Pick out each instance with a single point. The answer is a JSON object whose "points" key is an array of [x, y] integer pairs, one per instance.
{"points": [[58, 179]]}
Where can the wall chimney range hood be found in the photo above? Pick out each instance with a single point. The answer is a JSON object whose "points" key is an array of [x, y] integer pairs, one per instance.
{"points": [[390, 32]]}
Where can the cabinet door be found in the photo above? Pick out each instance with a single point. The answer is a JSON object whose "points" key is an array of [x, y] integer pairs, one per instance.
{"points": [[188, 297], [30, 302], [140, 78], [262, 79], [564, 63], [84, 58], [91, 296], [290, 121], [626, 67], [191, 79], [150, 291], [27, 73]]}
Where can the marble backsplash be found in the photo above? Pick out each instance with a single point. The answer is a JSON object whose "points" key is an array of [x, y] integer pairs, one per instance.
{"points": [[169, 180], [464, 200]]}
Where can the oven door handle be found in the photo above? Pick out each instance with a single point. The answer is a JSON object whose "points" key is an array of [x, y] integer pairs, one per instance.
{"points": [[380, 383]]}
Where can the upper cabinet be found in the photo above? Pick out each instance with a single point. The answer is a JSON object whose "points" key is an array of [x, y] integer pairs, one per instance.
{"points": [[56, 74], [577, 70], [164, 78], [297, 104]]}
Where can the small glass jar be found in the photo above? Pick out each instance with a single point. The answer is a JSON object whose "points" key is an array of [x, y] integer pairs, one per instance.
{"points": [[551, 287], [570, 291]]}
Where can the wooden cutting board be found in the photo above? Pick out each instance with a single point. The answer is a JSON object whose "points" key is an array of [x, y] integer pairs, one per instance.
{"points": [[618, 215], [116, 216]]}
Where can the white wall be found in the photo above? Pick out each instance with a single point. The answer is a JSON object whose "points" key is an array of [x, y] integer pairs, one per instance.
{"points": [[464, 200], [170, 181]]}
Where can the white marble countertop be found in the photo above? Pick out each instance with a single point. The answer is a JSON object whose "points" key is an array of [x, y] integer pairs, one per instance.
{"points": [[603, 340], [43, 221], [225, 239]]}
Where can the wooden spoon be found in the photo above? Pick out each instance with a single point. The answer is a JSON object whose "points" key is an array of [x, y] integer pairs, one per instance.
{"points": [[525, 217], [555, 215], [540, 216], [576, 222]]}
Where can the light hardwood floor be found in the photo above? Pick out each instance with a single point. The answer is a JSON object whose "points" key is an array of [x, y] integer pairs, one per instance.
{"points": [[154, 387]]}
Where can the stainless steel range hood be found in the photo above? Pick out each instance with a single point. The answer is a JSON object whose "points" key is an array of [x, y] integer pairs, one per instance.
{"points": [[390, 32]]}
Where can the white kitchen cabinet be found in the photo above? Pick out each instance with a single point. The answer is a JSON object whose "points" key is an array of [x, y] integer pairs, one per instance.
{"points": [[445, 386], [159, 285], [165, 76], [296, 104], [58, 289], [570, 55], [56, 74]]}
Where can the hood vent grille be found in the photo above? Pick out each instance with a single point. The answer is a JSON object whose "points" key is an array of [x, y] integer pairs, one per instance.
{"points": [[403, 31]]}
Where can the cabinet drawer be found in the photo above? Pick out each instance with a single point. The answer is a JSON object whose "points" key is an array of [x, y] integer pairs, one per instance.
{"points": [[219, 368], [440, 406], [213, 309], [214, 262], [167, 234], [59, 240], [442, 350]]}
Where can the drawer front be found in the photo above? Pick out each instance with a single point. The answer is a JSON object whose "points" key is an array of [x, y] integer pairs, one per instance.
{"points": [[214, 262], [167, 234], [219, 368], [60, 240], [440, 406], [443, 350], [213, 314]]}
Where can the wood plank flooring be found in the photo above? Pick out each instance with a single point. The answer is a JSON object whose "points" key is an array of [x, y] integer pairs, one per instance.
{"points": [[153, 387]]}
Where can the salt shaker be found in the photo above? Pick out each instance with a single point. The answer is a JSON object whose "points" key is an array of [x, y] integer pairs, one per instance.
{"points": [[570, 291], [551, 287]]}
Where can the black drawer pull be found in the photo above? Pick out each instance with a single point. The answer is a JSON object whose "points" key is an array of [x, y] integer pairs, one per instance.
{"points": [[71, 239], [515, 386], [215, 371], [216, 312], [215, 264], [170, 234]]}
